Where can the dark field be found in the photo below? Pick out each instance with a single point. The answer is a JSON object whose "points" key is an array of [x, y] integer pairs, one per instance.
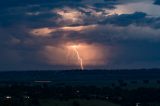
{"points": [[80, 88]]}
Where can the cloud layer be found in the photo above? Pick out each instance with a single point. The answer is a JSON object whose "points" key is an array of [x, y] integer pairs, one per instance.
{"points": [[108, 34]]}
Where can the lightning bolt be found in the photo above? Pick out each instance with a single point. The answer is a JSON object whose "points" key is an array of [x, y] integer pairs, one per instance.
{"points": [[78, 57]]}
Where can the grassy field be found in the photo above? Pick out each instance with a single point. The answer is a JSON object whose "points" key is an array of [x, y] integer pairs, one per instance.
{"points": [[76, 102]]}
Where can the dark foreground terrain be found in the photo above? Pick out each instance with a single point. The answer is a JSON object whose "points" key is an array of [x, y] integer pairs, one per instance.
{"points": [[80, 88], [43, 95]]}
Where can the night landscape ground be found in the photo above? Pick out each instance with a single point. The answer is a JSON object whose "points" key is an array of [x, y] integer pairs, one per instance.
{"points": [[80, 88]]}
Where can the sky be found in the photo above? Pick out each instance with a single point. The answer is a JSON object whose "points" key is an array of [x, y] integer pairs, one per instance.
{"points": [[79, 34]]}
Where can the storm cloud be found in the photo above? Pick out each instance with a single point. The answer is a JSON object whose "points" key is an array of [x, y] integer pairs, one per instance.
{"points": [[33, 34]]}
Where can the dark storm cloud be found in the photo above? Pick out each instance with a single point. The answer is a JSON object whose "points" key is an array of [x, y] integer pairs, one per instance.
{"points": [[13, 51], [110, 4], [30, 12], [136, 31], [137, 18], [146, 55], [127, 19], [157, 2], [21, 3]]}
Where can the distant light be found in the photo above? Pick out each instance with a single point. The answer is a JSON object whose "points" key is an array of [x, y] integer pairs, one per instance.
{"points": [[77, 91], [27, 97], [107, 97], [8, 97], [137, 104]]}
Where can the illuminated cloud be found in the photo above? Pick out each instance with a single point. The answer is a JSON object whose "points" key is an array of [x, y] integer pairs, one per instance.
{"points": [[91, 54], [80, 16], [136, 6], [42, 32], [78, 28], [46, 32], [69, 16], [98, 50], [116, 11], [93, 11]]}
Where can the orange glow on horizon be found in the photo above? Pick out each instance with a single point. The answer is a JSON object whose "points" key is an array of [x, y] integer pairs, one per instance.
{"points": [[74, 54]]}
